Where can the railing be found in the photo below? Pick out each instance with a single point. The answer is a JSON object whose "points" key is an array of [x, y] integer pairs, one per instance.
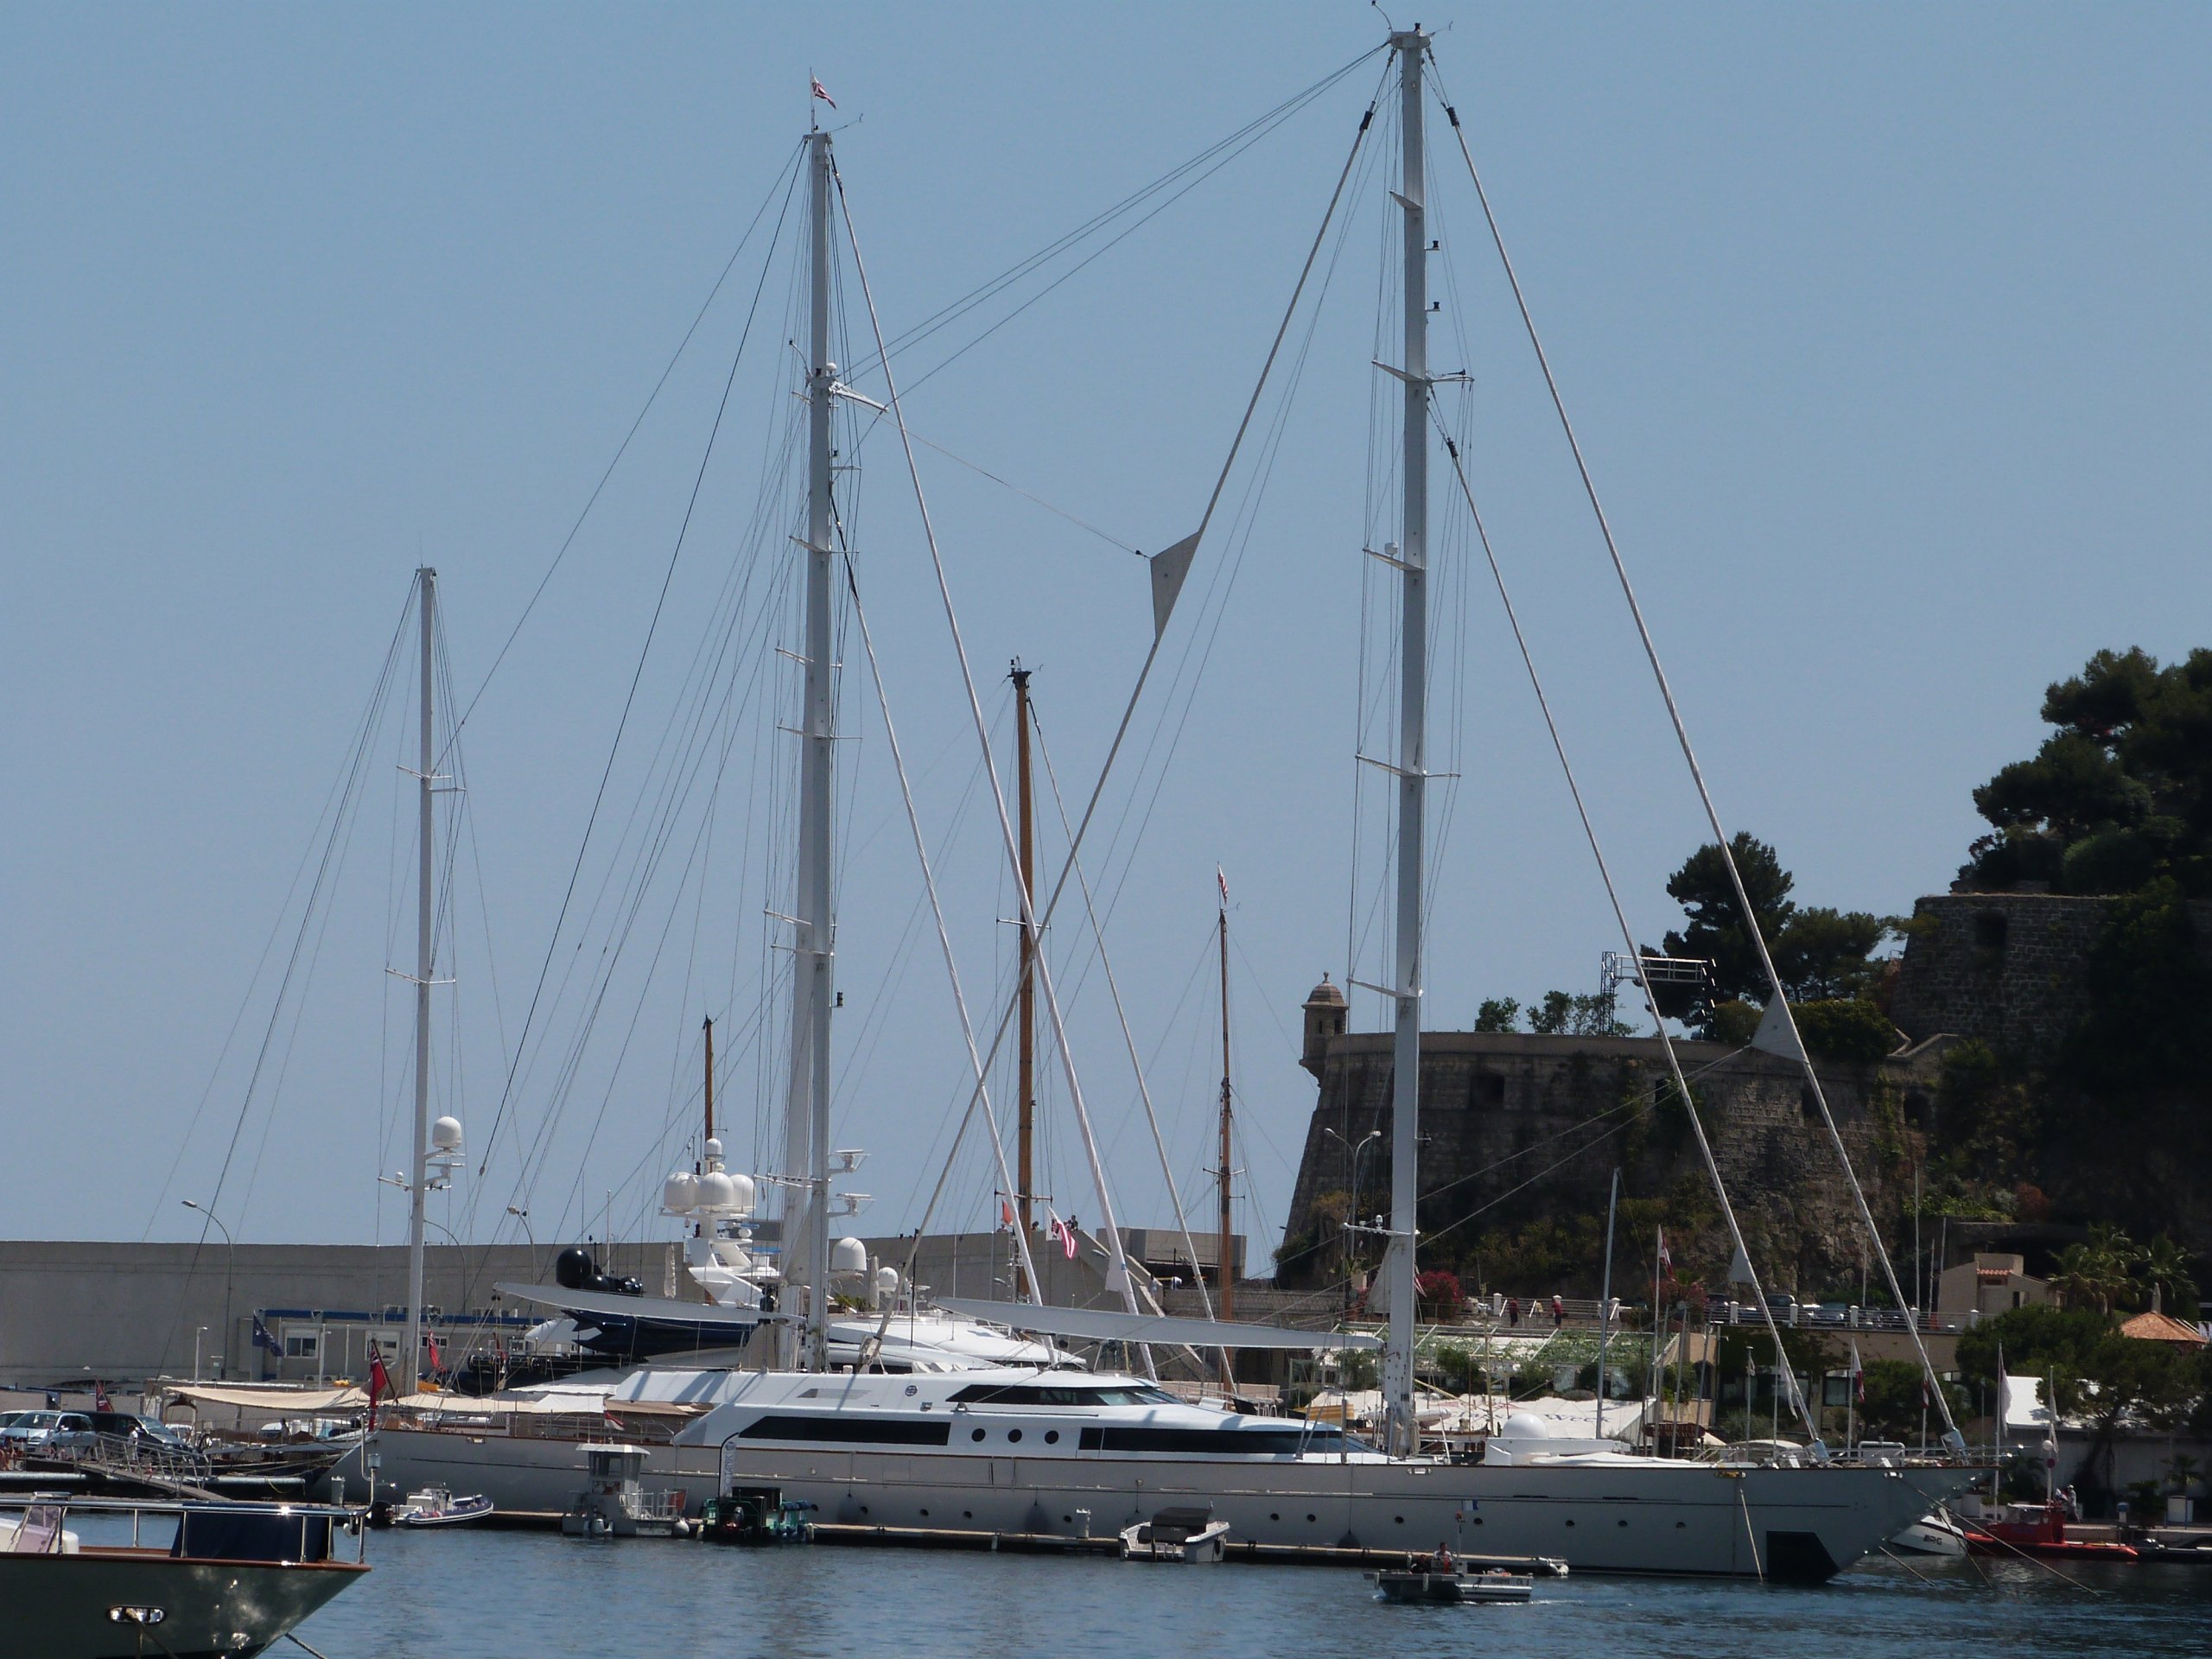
{"points": [[307, 1530]]}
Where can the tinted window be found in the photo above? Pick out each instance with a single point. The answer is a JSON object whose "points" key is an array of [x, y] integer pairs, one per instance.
{"points": [[1214, 1442], [889, 1430], [1031, 1394]]}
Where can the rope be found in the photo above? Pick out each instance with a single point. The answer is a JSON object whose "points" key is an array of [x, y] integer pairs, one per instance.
{"points": [[952, 967], [522, 1040], [1129, 1038], [1628, 934], [1705, 795], [1120, 732], [1039, 959]]}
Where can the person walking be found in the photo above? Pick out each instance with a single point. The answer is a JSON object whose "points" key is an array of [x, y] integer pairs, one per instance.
{"points": [[1559, 1310]]}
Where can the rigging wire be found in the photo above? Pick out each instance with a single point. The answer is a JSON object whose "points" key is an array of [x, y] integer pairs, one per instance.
{"points": [[1705, 795], [622, 448], [1121, 1014], [637, 674]]}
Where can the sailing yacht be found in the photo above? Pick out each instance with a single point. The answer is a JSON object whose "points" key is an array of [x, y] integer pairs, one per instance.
{"points": [[933, 1434]]}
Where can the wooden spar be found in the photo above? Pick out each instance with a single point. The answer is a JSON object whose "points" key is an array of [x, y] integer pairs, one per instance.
{"points": [[1025, 1172]]}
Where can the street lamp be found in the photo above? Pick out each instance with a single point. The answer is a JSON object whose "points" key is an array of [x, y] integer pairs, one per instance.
{"points": [[1352, 1155], [523, 1216], [230, 1266]]}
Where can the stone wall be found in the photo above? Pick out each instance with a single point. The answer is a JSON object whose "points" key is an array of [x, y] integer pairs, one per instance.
{"points": [[2006, 968], [1517, 1127]]}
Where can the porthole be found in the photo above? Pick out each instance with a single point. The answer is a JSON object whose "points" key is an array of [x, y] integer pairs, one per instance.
{"points": [[925, 1515], [1311, 1518], [1399, 1519], [1051, 1437], [864, 1509], [1012, 1434], [1620, 1523], [1479, 1520], [976, 1434], [1570, 1523], [1067, 1520], [1275, 1518], [967, 1515]]}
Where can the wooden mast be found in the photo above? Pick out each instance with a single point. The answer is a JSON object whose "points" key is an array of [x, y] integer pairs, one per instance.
{"points": [[1025, 1171]]}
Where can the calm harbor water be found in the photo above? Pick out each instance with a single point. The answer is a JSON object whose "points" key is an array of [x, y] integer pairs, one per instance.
{"points": [[510, 1595]]}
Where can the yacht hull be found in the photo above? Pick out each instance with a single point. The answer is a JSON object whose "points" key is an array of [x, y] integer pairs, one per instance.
{"points": [[58, 1605], [1686, 1518]]}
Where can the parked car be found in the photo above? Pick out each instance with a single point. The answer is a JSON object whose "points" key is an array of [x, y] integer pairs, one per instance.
{"points": [[48, 1431], [124, 1425]]}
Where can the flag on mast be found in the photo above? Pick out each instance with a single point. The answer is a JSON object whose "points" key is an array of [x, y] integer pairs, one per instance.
{"points": [[1064, 1233], [1222, 882], [1857, 1376], [815, 83]]}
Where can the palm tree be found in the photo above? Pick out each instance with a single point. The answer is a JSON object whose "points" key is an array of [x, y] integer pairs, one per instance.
{"points": [[2162, 1266], [2089, 1273]]}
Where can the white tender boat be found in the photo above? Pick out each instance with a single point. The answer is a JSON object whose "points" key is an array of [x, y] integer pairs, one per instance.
{"points": [[1190, 1537]]}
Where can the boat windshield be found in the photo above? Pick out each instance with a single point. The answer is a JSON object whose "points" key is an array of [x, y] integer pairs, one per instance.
{"points": [[1033, 1394]]}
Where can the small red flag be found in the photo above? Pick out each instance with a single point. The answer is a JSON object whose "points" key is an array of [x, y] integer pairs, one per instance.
{"points": [[100, 1402], [1005, 1213], [379, 1382], [437, 1359]]}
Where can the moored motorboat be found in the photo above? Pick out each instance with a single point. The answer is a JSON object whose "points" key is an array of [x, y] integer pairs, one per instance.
{"points": [[1441, 1578], [117, 1578], [434, 1506]]}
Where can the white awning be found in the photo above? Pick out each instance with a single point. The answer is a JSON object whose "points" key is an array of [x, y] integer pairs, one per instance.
{"points": [[282, 1402], [1104, 1325]]}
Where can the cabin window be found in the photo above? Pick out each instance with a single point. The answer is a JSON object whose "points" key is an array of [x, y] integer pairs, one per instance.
{"points": [[888, 1431]]}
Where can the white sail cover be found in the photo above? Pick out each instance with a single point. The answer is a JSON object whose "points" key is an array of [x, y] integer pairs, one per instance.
{"points": [[1105, 1325]]}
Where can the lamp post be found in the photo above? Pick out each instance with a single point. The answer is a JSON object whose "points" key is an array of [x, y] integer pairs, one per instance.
{"points": [[1352, 1155], [523, 1216], [230, 1267], [196, 1336]]}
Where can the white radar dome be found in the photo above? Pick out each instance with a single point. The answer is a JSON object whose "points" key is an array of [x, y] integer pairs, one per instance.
{"points": [[445, 1135], [713, 1150], [679, 1192], [849, 1256], [1526, 1426], [740, 1188], [887, 1281], [716, 1191]]}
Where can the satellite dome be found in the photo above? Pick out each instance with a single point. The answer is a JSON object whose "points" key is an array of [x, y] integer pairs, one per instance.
{"points": [[680, 1193], [445, 1135], [713, 1150], [716, 1190], [849, 1256], [740, 1188], [1526, 1426], [887, 1281]]}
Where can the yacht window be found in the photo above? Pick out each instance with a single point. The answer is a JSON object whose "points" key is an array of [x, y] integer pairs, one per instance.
{"points": [[1031, 1394], [884, 1431], [1218, 1442]]}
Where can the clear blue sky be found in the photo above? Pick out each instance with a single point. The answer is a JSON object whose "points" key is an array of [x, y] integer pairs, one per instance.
{"points": [[1884, 327]]}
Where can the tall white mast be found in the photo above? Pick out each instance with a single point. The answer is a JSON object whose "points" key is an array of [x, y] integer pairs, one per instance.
{"points": [[806, 1118], [1413, 712], [418, 1183]]}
